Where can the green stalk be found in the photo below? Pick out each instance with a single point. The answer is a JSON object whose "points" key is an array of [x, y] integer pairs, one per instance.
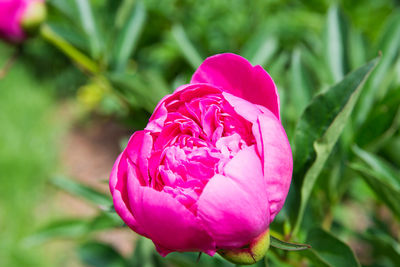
{"points": [[74, 54]]}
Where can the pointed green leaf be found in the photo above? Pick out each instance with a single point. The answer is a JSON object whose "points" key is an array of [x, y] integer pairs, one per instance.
{"points": [[318, 130], [186, 47], [128, 38], [75, 188], [286, 245]]}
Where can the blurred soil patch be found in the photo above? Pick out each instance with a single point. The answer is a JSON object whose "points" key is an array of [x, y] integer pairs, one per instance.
{"points": [[87, 153]]}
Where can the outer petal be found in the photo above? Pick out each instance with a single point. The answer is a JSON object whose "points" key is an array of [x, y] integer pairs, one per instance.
{"points": [[272, 145], [165, 221], [234, 208], [118, 180], [278, 160], [235, 75]]}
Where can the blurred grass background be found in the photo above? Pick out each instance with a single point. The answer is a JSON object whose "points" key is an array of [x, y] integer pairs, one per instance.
{"points": [[142, 50], [28, 156]]}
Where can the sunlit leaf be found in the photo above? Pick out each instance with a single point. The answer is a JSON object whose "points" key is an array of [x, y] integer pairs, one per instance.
{"points": [[386, 172], [260, 49], [128, 38], [186, 47], [300, 86], [336, 43], [389, 47], [385, 191], [89, 26], [275, 242]]}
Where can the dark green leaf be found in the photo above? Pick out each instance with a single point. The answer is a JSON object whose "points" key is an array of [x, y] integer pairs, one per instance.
{"points": [[327, 250], [319, 128], [100, 255], [78, 189], [127, 39], [287, 245]]}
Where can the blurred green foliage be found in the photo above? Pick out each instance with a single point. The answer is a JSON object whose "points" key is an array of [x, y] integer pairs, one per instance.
{"points": [[128, 54]]}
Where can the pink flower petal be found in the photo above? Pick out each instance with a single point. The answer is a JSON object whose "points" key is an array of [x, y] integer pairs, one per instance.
{"points": [[272, 145], [234, 208], [278, 161], [165, 221], [235, 75], [11, 12], [118, 188]]}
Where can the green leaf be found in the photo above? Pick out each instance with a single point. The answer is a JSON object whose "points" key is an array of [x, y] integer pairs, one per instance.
{"points": [[186, 47], [89, 26], [357, 50], [386, 172], [73, 228], [390, 47], [260, 49], [286, 245], [317, 131], [105, 220], [128, 38], [385, 191], [300, 83], [69, 50], [137, 89], [98, 254], [336, 43], [327, 250], [145, 254], [78, 189], [67, 228]]}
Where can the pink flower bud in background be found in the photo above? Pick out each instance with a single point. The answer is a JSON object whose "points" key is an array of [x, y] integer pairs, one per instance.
{"points": [[20, 17], [212, 168]]}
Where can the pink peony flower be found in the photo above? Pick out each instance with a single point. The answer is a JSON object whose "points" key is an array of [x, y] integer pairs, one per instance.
{"points": [[18, 15], [213, 166]]}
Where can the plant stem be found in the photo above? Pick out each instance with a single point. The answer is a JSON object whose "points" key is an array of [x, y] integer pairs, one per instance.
{"points": [[74, 54], [10, 61]]}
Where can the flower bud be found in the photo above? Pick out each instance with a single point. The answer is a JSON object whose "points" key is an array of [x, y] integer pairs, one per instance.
{"points": [[34, 15], [20, 18], [249, 254]]}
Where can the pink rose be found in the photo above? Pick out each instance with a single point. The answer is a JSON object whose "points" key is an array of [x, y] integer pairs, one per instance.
{"points": [[18, 15], [213, 166]]}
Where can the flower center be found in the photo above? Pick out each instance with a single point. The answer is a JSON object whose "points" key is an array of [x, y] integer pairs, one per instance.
{"points": [[198, 138]]}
